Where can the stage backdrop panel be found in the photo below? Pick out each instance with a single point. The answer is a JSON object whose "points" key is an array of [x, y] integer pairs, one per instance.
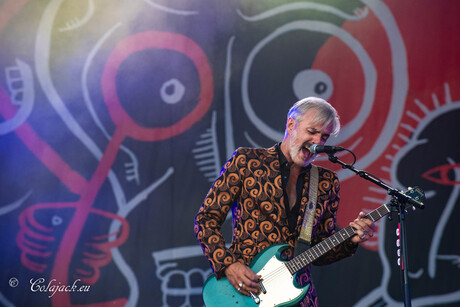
{"points": [[116, 117]]}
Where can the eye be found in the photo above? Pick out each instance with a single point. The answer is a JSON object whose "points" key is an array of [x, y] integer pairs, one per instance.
{"points": [[444, 174], [172, 91], [56, 220], [312, 82]]}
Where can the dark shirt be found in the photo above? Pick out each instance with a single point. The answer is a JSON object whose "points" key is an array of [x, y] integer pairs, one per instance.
{"points": [[292, 214]]}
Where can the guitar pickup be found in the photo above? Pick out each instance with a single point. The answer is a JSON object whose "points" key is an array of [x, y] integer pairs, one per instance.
{"points": [[261, 285]]}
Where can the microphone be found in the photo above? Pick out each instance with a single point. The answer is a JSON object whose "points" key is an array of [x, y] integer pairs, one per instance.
{"points": [[316, 149]]}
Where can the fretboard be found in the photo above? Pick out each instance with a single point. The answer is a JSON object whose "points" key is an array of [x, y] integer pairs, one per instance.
{"points": [[326, 245]]}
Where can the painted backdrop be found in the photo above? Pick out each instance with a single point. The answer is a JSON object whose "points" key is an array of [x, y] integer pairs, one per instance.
{"points": [[116, 116]]}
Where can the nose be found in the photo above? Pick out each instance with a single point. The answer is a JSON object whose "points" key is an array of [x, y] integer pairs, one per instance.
{"points": [[317, 139]]}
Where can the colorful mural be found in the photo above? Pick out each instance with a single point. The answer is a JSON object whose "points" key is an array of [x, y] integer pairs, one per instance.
{"points": [[116, 116]]}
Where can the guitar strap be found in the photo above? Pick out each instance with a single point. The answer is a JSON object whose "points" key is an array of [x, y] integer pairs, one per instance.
{"points": [[304, 239]]}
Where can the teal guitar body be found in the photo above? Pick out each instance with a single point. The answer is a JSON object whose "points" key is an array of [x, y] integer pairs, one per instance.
{"points": [[279, 284], [278, 277]]}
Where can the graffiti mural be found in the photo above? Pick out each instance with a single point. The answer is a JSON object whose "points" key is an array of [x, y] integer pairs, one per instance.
{"points": [[116, 116]]}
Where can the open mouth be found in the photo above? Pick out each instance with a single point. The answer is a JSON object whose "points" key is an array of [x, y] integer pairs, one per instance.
{"points": [[306, 151]]}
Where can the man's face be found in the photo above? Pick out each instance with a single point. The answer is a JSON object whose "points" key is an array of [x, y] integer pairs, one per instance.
{"points": [[305, 134]]}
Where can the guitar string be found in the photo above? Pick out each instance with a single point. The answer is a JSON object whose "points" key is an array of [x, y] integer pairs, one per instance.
{"points": [[316, 249], [345, 233], [275, 273]]}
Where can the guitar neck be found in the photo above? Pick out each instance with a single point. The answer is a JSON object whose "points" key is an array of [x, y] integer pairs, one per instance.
{"points": [[326, 245]]}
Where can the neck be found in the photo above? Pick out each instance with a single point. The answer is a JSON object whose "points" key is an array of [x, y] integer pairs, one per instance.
{"points": [[285, 149]]}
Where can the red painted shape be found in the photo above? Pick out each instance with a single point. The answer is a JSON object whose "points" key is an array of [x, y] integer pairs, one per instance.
{"points": [[160, 40], [44, 152]]}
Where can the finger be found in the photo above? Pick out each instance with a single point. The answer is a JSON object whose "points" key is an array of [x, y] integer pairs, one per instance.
{"points": [[242, 289], [369, 227], [246, 290], [250, 274], [238, 286], [251, 282], [360, 232], [251, 286], [252, 279], [368, 222], [243, 279], [363, 225]]}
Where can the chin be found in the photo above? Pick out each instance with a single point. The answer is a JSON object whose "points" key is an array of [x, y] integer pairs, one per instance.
{"points": [[302, 163]]}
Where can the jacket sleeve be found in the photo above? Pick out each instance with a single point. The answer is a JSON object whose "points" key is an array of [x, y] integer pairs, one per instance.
{"points": [[328, 223], [223, 194]]}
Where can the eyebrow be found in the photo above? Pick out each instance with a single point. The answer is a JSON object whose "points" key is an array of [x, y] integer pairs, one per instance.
{"points": [[318, 131]]}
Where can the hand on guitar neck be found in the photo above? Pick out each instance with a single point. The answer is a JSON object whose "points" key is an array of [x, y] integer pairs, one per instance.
{"points": [[246, 281], [243, 278], [277, 276], [364, 229]]}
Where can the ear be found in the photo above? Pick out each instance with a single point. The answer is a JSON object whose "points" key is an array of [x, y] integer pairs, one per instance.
{"points": [[290, 125]]}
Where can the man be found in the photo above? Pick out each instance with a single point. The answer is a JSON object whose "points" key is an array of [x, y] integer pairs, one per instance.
{"points": [[267, 190]]}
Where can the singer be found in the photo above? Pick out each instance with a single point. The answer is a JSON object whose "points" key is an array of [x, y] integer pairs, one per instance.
{"points": [[268, 192]]}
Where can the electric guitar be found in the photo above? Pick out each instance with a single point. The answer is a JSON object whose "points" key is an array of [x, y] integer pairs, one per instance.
{"points": [[278, 285]]}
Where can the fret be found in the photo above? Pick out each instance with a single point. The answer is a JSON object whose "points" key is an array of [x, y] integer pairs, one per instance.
{"points": [[305, 259], [328, 244], [314, 250], [319, 247], [339, 237], [296, 266], [334, 241], [313, 253], [289, 267], [379, 213], [323, 250], [317, 252], [350, 231], [374, 217]]}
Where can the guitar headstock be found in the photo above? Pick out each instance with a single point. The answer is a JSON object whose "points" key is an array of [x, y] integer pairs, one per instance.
{"points": [[415, 196]]}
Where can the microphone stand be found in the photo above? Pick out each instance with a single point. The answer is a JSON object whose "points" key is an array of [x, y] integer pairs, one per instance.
{"points": [[399, 199]]}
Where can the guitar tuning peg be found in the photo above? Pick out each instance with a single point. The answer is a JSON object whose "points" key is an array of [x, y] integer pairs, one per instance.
{"points": [[413, 208], [410, 188]]}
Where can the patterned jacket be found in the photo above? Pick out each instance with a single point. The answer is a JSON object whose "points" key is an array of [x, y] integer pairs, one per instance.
{"points": [[250, 184]]}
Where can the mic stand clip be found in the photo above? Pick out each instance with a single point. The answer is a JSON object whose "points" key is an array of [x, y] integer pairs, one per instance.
{"points": [[399, 199]]}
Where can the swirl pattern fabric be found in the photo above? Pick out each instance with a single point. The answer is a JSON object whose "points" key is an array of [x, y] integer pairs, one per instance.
{"points": [[250, 185]]}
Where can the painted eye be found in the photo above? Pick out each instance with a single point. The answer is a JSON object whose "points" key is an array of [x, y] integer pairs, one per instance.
{"points": [[172, 91], [312, 82], [444, 174], [56, 220]]}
